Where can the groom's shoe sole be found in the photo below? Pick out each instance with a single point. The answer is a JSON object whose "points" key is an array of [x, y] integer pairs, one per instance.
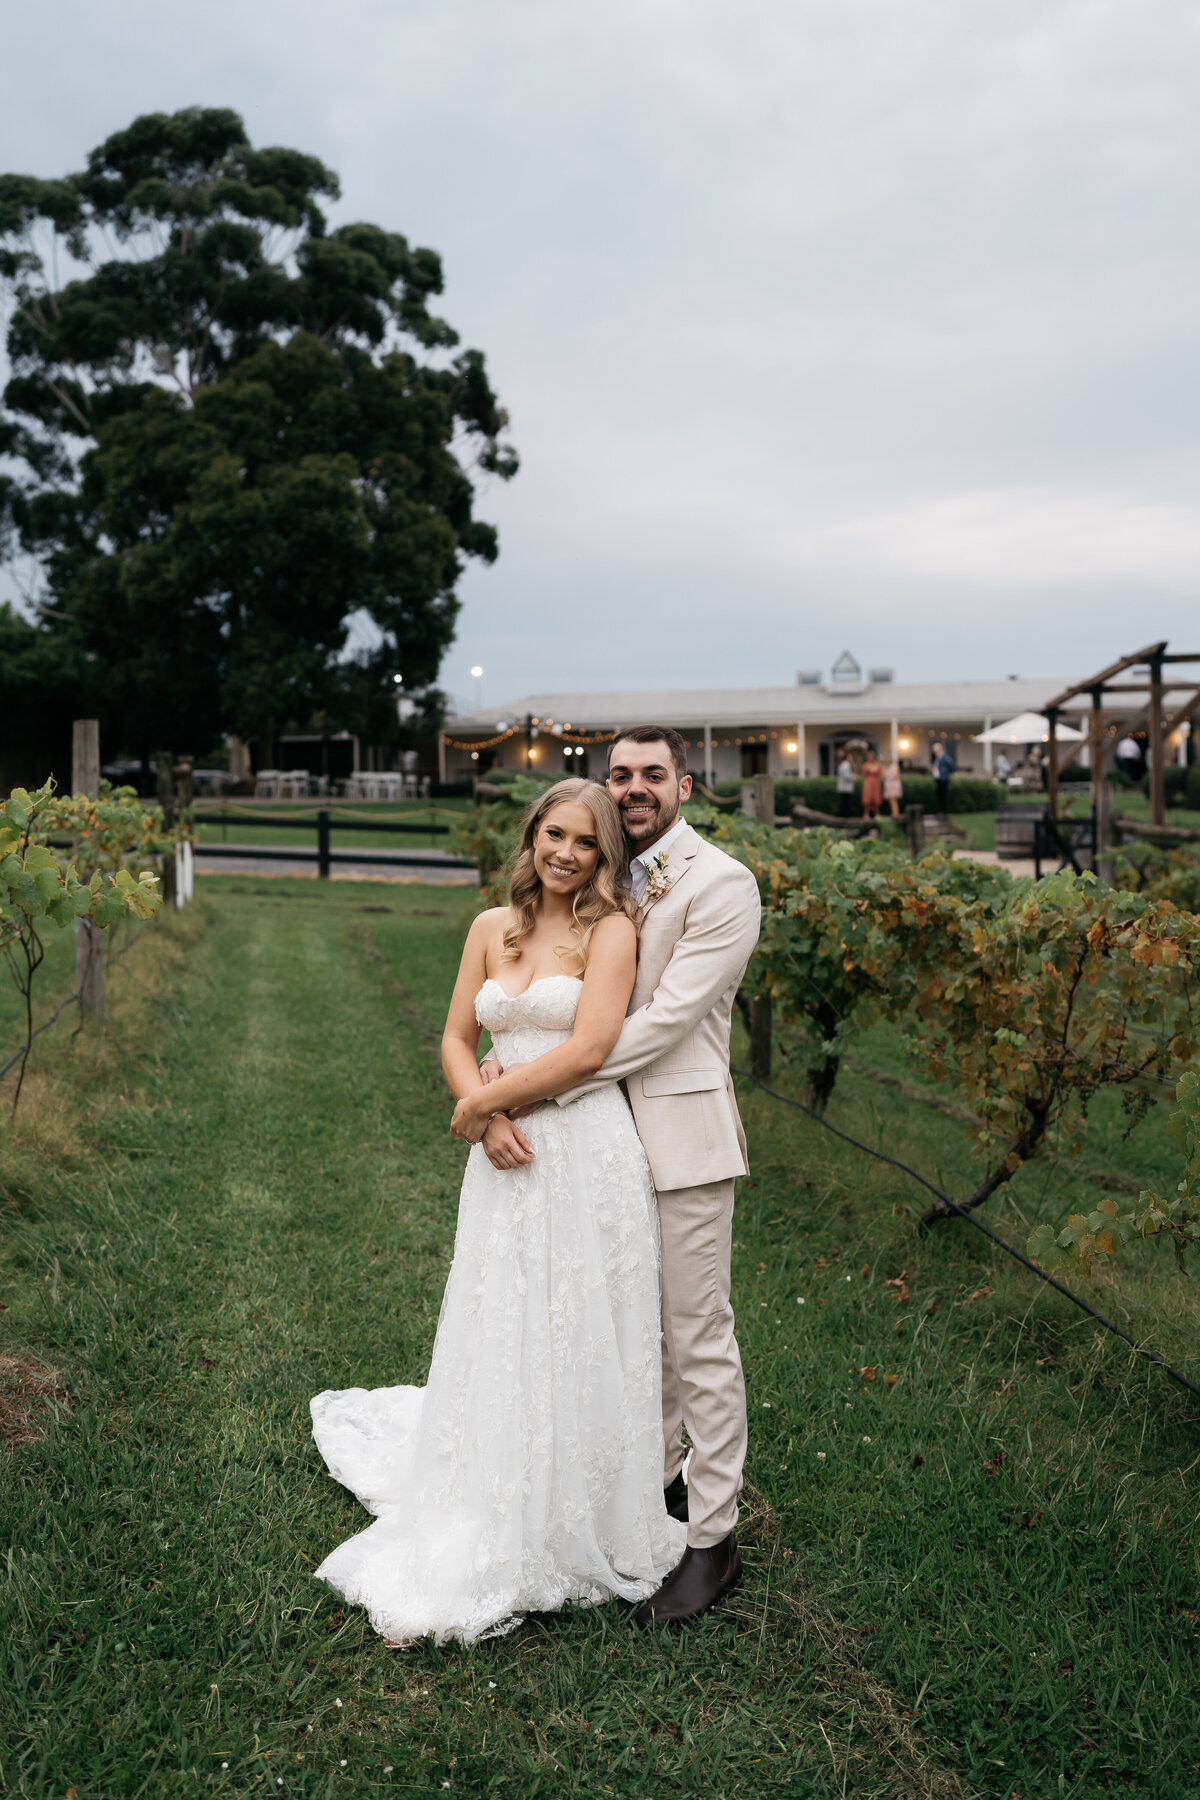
{"points": [[701, 1580], [675, 1497]]}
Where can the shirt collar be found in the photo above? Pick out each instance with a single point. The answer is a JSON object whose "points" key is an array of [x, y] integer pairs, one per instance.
{"points": [[646, 857]]}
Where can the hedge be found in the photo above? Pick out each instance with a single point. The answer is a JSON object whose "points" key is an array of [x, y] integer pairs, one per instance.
{"points": [[968, 793], [1181, 787]]}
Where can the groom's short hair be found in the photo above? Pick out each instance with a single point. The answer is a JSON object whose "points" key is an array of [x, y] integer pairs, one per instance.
{"points": [[654, 734]]}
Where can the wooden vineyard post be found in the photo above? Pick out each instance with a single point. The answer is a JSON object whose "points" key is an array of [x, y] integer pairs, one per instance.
{"points": [[323, 844], [164, 764], [89, 943], [85, 757], [1101, 795], [760, 1037], [914, 826], [1156, 748], [1052, 763], [760, 1006]]}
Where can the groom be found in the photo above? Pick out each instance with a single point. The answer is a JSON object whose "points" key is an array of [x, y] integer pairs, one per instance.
{"points": [[701, 925]]}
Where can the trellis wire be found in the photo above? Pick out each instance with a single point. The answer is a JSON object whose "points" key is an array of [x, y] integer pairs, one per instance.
{"points": [[962, 1213]]}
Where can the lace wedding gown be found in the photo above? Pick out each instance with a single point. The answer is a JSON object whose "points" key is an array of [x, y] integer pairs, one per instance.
{"points": [[528, 1471]]}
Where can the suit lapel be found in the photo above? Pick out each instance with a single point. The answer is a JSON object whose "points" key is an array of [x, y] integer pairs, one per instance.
{"points": [[679, 857]]}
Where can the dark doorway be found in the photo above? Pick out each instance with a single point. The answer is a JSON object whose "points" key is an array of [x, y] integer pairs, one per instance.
{"points": [[754, 760]]}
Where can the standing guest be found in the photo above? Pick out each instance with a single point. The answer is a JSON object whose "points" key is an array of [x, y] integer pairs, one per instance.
{"points": [[845, 786], [893, 787], [872, 785], [1129, 757], [1003, 767], [943, 768]]}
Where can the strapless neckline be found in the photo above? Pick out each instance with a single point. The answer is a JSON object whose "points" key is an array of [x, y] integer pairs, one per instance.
{"points": [[537, 982]]}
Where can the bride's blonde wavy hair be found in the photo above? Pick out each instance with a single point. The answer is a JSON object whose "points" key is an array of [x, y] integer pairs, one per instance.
{"points": [[603, 894]]}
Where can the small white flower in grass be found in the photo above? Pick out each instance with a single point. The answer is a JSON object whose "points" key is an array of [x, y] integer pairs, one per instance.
{"points": [[820, 1456], [343, 1762], [866, 1440], [212, 1687], [337, 1703], [847, 1278], [799, 1299], [491, 1684], [224, 1765], [387, 1768]]}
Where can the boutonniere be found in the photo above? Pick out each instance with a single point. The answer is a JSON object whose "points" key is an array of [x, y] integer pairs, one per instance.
{"points": [[660, 876]]}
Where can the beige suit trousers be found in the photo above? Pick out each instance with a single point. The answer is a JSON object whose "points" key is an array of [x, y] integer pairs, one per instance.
{"points": [[702, 1384]]}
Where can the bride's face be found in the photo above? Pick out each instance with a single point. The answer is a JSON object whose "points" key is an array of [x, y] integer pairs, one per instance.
{"points": [[565, 850]]}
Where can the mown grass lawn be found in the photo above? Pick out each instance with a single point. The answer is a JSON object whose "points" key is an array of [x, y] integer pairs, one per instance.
{"points": [[980, 828], [976, 1579]]}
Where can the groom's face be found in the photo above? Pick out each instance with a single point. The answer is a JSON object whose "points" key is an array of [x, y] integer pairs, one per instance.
{"points": [[648, 792]]}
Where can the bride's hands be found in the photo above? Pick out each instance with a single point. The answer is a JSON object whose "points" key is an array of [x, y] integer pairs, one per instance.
{"points": [[470, 1118]]}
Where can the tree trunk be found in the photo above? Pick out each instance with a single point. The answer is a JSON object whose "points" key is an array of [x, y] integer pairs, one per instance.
{"points": [[760, 1037], [89, 971], [820, 1084], [1025, 1148]]}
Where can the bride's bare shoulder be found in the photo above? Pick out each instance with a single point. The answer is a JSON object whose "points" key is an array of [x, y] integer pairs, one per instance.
{"points": [[616, 929], [489, 924], [487, 928]]}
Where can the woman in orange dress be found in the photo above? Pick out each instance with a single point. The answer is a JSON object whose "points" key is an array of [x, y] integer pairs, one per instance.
{"points": [[872, 785]]}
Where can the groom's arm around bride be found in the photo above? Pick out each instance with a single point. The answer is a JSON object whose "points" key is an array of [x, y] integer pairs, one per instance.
{"points": [[673, 1049]]}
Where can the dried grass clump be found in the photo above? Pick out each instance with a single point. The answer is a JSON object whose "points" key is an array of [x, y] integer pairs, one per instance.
{"points": [[29, 1393]]}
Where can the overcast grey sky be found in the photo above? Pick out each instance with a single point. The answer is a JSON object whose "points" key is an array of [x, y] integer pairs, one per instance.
{"points": [[821, 323]]}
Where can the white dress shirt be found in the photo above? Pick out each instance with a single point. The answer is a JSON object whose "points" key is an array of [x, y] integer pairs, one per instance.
{"points": [[639, 868]]}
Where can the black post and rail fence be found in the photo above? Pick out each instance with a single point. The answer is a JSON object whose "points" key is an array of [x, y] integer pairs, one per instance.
{"points": [[324, 855]]}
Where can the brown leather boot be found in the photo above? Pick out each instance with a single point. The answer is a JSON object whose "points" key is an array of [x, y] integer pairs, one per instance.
{"points": [[675, 1498], [701, 1579]]}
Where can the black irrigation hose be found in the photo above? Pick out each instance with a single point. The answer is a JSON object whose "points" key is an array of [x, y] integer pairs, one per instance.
{"points": [[1017, 1255], [70, 1000]]}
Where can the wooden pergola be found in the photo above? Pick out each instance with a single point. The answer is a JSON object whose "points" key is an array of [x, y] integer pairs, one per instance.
{"points": [[1154, 657]]}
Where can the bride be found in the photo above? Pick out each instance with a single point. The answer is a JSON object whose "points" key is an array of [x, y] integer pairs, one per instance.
{"points": [[528, 1471]]}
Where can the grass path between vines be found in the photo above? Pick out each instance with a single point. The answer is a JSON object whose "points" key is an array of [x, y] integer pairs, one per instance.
{"points": [[976, 1580]]}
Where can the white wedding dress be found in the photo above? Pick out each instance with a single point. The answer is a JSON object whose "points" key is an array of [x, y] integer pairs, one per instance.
{"points": [[528, 1471]]}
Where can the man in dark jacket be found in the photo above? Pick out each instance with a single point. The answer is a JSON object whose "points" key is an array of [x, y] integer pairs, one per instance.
{"points": [[943, 769]]}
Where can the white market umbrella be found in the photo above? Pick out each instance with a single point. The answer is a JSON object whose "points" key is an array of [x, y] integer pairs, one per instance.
{"points": [[1029, 728]]}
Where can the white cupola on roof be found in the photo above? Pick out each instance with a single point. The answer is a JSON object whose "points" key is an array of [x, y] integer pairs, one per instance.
{"points": [[846, 676]]}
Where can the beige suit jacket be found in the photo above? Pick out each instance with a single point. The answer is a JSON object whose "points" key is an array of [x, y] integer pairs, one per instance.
{"points": [[673, 1051]]}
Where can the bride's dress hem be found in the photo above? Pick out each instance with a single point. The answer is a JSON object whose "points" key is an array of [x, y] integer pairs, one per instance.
{"points": [[526, 1476]]}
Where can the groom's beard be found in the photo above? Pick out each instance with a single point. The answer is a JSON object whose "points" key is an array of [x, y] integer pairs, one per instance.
{"points": [[651, 825]]}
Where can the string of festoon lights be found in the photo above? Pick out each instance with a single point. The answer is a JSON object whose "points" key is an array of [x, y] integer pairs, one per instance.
{"points": [[574, 742]]}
